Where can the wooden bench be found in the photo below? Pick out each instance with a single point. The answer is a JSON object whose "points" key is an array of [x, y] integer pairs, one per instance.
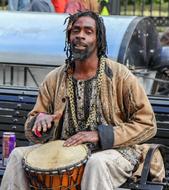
{"points": [[15, 103], [160, 141]]}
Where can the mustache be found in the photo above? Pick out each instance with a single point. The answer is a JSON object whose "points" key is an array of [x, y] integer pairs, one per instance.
{"points": [[79, 43]]}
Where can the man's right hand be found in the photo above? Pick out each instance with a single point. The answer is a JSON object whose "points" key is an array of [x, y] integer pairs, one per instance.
{"points": [[44, 122]]}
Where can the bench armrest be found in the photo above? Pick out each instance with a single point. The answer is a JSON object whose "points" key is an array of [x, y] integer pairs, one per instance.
{"points": [[148, 159]]}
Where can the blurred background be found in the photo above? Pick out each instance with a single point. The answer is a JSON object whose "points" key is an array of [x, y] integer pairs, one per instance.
{"points": [[137, 34]]}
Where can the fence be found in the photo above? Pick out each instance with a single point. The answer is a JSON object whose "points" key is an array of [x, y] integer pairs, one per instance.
{"points": [[158, 10], [3, 4]]}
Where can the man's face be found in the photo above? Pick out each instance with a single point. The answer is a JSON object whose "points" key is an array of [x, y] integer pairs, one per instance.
{"points": [[83, 38]]}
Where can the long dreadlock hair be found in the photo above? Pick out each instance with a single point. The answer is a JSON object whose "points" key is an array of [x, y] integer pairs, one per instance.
{"points": [[100, 34]]}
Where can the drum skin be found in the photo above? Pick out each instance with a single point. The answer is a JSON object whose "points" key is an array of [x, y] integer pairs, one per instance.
{"points": [[52, 166]]}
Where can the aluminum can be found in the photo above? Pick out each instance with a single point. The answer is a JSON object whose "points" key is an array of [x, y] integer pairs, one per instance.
{"points": [[8, 144]]}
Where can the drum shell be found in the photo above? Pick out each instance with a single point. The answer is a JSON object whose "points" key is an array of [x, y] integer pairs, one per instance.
{"points": [[63, 180]]}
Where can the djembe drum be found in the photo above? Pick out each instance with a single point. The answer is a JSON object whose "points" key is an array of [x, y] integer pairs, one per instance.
{"points": [[54, 167]]}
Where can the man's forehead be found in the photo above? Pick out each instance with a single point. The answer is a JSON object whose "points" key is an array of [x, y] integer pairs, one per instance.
{"points": [[85, 21]]}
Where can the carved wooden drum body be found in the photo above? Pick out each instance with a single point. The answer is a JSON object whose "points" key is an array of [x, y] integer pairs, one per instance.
{"points": [[54, 167]]}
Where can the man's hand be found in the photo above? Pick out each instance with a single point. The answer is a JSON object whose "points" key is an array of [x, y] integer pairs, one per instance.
{"points": [[82, 137], [44, 122]]}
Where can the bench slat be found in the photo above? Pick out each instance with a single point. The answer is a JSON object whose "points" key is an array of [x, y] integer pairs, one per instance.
{"points": [[16, 105], [25, 99], [162, 117], [11, 119], [11, 127], [12, 112]]}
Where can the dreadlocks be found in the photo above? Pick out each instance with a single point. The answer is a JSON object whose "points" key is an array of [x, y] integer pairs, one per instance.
{"points": [[100, 33]]}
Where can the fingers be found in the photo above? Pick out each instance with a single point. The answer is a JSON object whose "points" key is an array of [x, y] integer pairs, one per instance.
{"points": [[82, 137], [39, 127], [43, 122], [75, 140], [47, 125], [44, 125]]}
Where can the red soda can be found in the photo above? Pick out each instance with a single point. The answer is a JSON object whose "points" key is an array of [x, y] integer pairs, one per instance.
{"points": [[8, 144]]}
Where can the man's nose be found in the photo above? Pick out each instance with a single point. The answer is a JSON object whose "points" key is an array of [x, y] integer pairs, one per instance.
{"points": [[80, 35]]}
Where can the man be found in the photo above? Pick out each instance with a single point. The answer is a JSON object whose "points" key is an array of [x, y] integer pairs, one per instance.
{"points": [[74, 6], [31, 5], [59, 5], [91, 100], [18, 5]]}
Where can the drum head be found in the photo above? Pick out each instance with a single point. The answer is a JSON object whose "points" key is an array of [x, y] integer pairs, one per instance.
{"points": [[53, 155]]}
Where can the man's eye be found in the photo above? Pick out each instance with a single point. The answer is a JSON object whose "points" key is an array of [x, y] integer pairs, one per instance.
{"points": [[75, 30], [88, 32]]}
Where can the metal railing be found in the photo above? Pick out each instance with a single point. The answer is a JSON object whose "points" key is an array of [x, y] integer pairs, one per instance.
{"points": [[3, 4], [158, 10]]}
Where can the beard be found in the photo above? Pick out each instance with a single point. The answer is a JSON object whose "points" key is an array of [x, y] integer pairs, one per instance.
{"points": [[81, 54]]}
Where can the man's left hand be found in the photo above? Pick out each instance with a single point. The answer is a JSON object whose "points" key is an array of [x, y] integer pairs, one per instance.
{"points": [[82, 137]]}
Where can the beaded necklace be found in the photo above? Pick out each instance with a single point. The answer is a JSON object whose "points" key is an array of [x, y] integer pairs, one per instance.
{"points": [[71, 95]]}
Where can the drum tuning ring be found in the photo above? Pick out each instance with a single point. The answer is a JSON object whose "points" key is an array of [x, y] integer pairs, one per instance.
{"points": [[70, 168], [78, 165]]}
